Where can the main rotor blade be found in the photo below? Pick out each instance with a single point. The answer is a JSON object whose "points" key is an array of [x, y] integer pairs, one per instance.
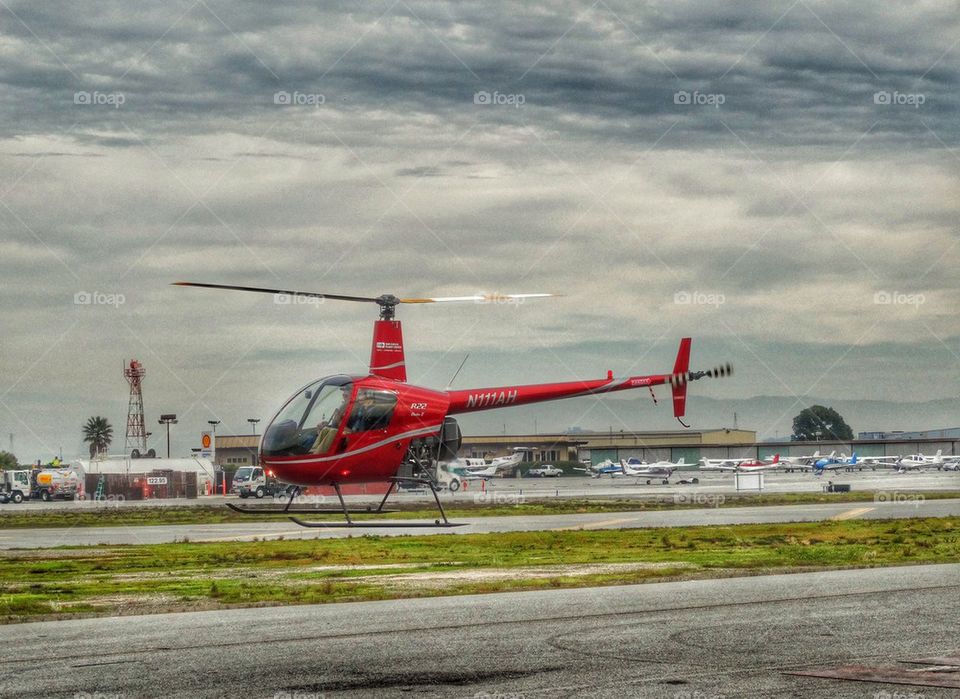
{"points": [[478, 298], [230, 287]]}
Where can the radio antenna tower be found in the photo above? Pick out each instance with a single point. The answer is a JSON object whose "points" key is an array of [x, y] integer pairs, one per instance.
{"points": [[136, 430]]}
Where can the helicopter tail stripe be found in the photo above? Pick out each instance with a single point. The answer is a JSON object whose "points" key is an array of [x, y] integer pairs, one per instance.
{"points": [[374, 369]]}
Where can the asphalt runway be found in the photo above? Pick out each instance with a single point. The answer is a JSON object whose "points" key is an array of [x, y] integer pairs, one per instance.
{"points": [[513, 489], [88, 536], [686, 640]]}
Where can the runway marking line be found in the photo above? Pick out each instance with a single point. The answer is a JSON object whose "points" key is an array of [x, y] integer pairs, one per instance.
{"points": [[850, 514], [596, 525]]}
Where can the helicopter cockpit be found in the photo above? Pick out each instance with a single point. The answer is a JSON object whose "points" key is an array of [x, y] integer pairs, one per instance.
{"points": [[309, 422]]}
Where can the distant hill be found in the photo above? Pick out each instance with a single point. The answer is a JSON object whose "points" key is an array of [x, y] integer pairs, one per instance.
{"points": [[771, 416]]}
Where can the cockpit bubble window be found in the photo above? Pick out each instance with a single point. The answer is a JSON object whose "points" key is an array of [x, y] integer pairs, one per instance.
{"points": [[309, 422], [372, 410]]}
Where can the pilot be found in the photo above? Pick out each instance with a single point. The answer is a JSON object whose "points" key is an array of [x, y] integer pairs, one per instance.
{"points": [[362, 417], [326, 431]]}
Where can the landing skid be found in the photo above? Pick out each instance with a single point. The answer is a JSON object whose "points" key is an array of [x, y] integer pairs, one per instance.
{"points": [[350, 524], [299, 511], [436, 524]]}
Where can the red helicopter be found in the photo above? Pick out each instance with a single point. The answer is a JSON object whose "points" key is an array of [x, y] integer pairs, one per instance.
{"points": [[360, 429]]}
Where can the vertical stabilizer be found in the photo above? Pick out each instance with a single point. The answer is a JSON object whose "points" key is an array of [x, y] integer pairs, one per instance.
{"points": [[679, 383], [386, 354]]}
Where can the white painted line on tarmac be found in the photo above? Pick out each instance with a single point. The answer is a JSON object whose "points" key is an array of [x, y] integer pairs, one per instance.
{"points": [[850, 514], [597, 525]]}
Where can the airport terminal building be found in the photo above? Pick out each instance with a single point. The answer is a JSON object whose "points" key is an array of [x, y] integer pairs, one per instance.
{"points": [[691, 445], [234, 451]]}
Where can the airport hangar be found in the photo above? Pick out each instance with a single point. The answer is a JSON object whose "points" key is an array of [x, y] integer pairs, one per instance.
{"points": [[693, 445], [233, 451]]}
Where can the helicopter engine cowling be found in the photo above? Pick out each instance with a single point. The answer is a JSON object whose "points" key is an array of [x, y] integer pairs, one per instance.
{"points": [[450, 439]]}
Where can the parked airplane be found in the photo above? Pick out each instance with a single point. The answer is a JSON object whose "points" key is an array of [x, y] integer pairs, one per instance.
{"points": [[754, 465], [721, 464], [660, 469], [477, 469], [831, 463], [915, 462], [873, 461], [801, 462], [604, 468]]}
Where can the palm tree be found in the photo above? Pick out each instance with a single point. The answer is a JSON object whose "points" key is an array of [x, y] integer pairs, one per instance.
{"points": [[98, 432]]}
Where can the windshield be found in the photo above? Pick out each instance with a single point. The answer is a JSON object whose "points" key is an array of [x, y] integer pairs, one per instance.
{"points": [[309, 422], [243, 474]]}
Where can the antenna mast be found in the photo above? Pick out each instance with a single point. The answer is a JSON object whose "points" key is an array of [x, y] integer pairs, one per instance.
{"points": [[136, 430]]}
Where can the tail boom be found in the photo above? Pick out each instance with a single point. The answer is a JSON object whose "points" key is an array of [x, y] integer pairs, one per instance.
{"points": [[471, 400]]}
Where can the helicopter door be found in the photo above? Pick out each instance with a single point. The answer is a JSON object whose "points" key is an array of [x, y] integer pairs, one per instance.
{"points": [[369, 418]]}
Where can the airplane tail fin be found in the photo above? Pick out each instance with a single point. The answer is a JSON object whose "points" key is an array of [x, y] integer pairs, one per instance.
{"points": [[776, 458]]}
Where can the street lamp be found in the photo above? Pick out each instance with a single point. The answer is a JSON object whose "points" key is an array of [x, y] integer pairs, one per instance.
{"points": [[168, 419], [253, 422], [213, 425]]}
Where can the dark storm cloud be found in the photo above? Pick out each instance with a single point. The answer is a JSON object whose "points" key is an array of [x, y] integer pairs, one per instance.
{"points": [[781, 69]]}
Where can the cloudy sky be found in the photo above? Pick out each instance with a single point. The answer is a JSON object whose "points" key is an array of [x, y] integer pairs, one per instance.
{"points": [[778, 180]]}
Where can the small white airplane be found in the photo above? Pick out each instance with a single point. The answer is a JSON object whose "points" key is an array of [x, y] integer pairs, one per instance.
{"points": [[915, 462], [659, 469], [720, 464], [478, 469]]}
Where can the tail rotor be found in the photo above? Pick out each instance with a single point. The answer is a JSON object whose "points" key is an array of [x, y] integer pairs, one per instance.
{"points": [[682, 376]]}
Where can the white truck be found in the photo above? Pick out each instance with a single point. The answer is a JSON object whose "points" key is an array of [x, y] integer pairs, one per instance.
{"points": [[253, 481], [14, 486], [448, 480], [442, 478], [545, 471]]}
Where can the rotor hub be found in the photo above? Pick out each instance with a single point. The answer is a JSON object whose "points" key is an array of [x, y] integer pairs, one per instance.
{"points": [[388, 306]]}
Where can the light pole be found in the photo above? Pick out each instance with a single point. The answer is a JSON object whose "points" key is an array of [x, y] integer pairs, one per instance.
{"points": [[217, 469], [213, 425], [168, 419], [253, 422]]}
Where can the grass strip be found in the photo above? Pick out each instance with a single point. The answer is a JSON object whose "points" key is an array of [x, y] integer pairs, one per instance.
{"points": [[84, 515], [110, 580]]}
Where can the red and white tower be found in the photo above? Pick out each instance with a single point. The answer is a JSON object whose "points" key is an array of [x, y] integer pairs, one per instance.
{"points": [[136, 429]]}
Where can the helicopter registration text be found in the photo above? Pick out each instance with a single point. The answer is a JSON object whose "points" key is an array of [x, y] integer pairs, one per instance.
{"points": [[483, 400]]}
